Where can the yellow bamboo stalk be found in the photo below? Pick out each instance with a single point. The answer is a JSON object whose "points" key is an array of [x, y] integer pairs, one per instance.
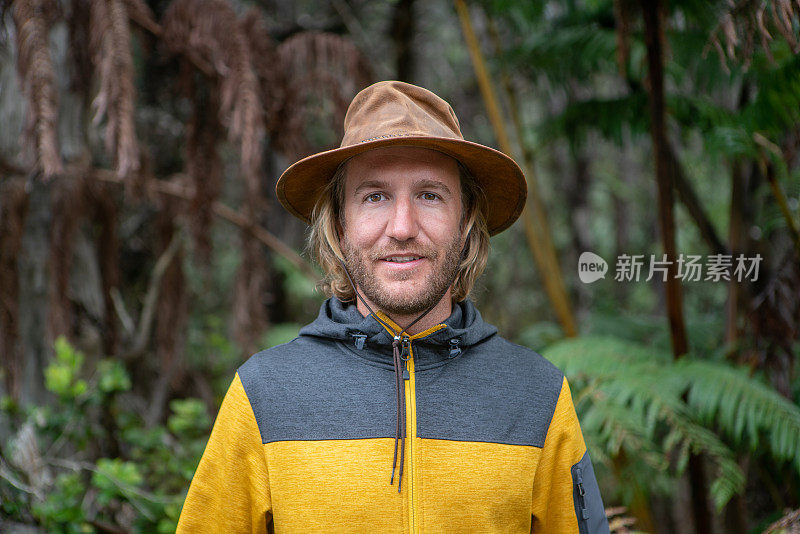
{"points": [[777, 191], [537, 230]]}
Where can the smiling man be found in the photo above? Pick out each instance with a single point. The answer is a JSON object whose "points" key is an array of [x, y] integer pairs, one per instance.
{"points": [[398, 409], [403, 240]]}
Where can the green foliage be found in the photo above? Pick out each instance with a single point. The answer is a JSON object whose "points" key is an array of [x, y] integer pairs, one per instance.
{"points": [[61, 510], [749, 412], [637, 400], [296, 283], [90, 413], [189, 418], [61, 377], [279, 334], [115, 478], [112, 377], [611, 117]]}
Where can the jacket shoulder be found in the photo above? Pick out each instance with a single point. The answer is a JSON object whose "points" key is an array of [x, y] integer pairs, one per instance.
{"points": [[530, 364], [495, 392]]}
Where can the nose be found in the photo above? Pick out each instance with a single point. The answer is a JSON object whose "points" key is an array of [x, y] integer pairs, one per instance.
{"points": [[403, 221]]}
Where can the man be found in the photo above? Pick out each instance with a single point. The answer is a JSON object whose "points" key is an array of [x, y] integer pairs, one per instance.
{"points": [[398, 409]]}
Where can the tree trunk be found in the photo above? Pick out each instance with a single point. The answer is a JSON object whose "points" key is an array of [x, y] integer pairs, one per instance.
{"points": [[13, 213], [622, 216], [402, 33], [738, 220], [652, 12], [34, 276], [692, 204]]}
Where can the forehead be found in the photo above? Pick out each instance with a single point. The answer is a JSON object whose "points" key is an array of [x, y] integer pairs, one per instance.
{"points": [[400, 163]]}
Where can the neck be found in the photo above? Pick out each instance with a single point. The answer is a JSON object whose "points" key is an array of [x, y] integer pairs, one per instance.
{"points": [[437, 315]]}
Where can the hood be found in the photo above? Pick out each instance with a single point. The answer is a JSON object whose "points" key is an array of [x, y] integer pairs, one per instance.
{"points": [[343, 322]]}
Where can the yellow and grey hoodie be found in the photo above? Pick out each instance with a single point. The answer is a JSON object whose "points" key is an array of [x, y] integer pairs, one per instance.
{"points": [[305, 438]]}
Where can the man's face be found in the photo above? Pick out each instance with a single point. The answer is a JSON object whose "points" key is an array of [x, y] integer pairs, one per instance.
{"points": [[401, 234]]}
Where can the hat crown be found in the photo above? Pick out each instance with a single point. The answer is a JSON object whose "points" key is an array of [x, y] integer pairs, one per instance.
{"points": [[396, 109]]}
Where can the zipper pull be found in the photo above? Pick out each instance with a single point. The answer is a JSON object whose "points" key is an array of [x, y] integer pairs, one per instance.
{"points": [[405, 354]]}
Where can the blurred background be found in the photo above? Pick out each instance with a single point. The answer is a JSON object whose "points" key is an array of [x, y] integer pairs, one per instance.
{"points": [[144, 256]]}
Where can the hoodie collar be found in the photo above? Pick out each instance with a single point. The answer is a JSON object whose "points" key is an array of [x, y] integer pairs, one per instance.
{"points": [[343, 322]]}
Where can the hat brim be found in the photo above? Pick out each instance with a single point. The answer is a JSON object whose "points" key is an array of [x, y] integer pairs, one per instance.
{"points": [[498, 175]]}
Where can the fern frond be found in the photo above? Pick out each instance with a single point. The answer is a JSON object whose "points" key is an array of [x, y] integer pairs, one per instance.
{"points": [[611, 117], [743, 407], [595, 355], [572, 51], [633, 386], [616, 427]]}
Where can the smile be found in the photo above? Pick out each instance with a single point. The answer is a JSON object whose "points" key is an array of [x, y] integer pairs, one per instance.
{"points": [[402, 259]]}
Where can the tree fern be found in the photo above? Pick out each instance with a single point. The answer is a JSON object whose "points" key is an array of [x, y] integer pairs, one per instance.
{"points": [[743, 407], [636, 398]]}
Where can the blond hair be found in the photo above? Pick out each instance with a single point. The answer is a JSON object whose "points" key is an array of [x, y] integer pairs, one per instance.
{"points": [[323, 238]]}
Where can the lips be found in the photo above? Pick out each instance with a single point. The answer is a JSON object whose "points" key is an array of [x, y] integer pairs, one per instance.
{"points": [[405, 262], [401, 259]]}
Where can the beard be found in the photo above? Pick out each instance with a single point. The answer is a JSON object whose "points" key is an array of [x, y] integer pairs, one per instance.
{"points": [[444, 266]]}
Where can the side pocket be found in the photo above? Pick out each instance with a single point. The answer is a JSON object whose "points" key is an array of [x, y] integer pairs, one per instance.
{"points": [[586, 496]]}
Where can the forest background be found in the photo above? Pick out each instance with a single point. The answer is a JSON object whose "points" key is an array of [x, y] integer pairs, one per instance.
{"points": [[144, 256]]}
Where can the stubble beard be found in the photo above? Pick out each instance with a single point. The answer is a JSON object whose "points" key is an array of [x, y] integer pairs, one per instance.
{"points": [[433, 288]]}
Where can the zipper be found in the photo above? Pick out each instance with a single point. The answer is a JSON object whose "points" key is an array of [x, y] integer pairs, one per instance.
{"points": [[583, 514], [409, 380], [411, 421]]}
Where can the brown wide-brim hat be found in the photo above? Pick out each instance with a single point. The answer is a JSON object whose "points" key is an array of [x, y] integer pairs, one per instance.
{"points": [[394, 113]]}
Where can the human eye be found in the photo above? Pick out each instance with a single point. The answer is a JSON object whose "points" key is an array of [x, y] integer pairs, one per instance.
{"points": [[428, 195], [374, 197]]}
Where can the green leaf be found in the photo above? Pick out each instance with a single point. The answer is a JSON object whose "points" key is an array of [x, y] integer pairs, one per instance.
{"points": [[61, 376], [115, 478], [189, 418], [112, 376]]}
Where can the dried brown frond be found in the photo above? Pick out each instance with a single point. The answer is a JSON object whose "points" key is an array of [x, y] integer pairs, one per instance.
{"points": [[204, 167], [27, 457], [141, 14], [13, 210], [172, 311], [746, 21], [80, 58], [784, 16], [110, 44], [250, 318], [38, 80], [68, 208], [324, 71], [104, 212], [208, 33], [78, 199], [271, 78], [618, 520], [788, 524]]}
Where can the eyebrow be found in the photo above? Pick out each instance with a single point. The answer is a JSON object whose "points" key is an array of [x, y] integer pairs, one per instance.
{"points": [[419, 184], [371, 184]]}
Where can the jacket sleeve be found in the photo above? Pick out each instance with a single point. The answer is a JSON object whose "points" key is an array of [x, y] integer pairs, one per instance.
{"points": [[566, 497], [230, 489]]}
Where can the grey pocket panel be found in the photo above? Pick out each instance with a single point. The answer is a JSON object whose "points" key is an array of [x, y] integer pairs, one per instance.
{"points": [[586, 495]]}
